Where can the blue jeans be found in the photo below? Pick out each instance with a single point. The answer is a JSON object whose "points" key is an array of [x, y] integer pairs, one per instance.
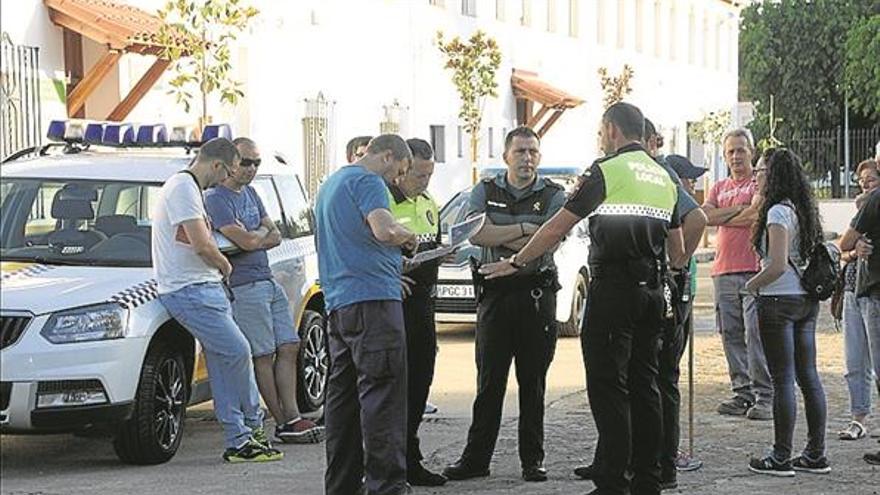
{"points": [[737, 321], [788, 333], [204, 310], [861, 337]]}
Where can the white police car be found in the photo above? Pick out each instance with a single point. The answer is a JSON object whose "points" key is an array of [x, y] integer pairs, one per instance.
{"points": [[85, 344], [455, 291]]}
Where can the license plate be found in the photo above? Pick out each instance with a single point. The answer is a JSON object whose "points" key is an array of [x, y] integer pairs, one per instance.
{"points": [[455, 291]]}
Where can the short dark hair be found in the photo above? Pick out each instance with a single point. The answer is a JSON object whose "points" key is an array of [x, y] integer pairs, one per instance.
{"points": [[420, 148], [355, 143], [390, 142], [244, 141], [626, 117], [521, 131], [650, 130], [218, 149]]}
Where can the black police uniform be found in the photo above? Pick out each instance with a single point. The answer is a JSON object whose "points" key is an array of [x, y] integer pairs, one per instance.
{"points": [[515, 321], [632, 200], [418, 312]]}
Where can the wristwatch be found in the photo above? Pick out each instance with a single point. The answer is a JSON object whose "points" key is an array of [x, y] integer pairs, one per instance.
{"points": [[513, 263]]}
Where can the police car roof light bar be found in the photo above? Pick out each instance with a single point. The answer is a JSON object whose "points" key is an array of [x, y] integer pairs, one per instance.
{"points": [[151, 135], [216, 130], [118, 135], [94, 133]]}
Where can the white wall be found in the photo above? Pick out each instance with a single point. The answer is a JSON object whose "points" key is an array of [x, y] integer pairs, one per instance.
{"points": [[363, 54]]}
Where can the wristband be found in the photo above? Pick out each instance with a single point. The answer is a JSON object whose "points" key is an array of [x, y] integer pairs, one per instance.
{"points": [[513, 263]]}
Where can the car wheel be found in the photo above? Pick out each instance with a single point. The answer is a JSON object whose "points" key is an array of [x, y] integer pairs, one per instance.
{"points": [[153, 433], [314, 362], [572, 327]]}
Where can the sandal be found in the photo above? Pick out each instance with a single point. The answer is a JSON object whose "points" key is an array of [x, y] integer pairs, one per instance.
{"points": [[854, 431]]}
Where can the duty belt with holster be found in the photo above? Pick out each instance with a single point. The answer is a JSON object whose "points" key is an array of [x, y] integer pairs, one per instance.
{"points": [[642, 272], [545, 278]]}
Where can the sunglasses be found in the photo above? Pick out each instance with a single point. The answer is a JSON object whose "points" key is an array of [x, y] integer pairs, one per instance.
{"points": [[247, 162]]}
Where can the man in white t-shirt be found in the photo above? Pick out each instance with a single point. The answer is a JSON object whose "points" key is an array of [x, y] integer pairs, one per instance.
{"points": [[190, 272]]}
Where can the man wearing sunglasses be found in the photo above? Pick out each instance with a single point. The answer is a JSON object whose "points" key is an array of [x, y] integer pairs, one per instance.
{"points": [[260, 306], [190, 270]]}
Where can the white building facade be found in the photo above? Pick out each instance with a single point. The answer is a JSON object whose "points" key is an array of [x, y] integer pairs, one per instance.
{"points": [[374, 59]]}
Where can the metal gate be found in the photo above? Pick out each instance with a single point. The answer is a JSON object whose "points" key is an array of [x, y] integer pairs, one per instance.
{"points": [[19, 97]]}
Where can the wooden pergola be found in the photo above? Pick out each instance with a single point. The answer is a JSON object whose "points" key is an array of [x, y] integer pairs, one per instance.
{"points": [[123, 29], [529, 90]]}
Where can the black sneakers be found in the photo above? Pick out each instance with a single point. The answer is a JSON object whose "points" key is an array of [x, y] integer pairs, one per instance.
{"points": [[807, 465], [769, 465], [587, 472], [462, 470], [735, 406], [873, 458], [418, 475]]}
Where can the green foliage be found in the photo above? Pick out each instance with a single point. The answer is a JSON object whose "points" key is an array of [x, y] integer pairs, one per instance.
{"points": [[796, 50], [615, 89], [474, 64], [711, 128], [197, 35], [862, 75]]}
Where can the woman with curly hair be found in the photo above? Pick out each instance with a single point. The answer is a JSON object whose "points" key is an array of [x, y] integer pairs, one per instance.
{"points": [[787, 229]]}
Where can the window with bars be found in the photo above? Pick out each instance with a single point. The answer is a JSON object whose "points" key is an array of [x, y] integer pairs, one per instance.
{"points": [[318, 125], [640, 25], [573, 18], [501, 10], [469, 8], [490, 142], [526, 18], [601, 14], [551, 16], [621, 23], [438, 142]]}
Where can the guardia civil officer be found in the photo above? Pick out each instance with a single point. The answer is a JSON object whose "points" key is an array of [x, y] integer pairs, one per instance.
{"points": [[516, 315], [632, 200], [413, 207]]}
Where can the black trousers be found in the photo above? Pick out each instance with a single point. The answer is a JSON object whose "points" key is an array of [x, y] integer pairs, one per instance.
{"points": [[421, 352], [511, 328], [365, 410], [621, 347], [674, 341]]}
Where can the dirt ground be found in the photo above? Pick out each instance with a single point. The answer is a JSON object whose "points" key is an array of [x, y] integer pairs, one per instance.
{"points": [[722, 442]]}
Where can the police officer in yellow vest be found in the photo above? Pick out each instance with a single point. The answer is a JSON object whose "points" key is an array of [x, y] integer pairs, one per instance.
{"points": [[414, 208], [632, 201]]}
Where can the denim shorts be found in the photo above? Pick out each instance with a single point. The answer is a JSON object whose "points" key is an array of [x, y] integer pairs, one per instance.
{"points": [[262, 311]]}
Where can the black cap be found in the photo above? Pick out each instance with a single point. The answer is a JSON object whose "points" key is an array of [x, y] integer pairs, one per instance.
{"points": [[684, 168]]}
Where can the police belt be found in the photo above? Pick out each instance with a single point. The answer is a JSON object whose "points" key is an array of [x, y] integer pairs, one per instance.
{"points": [[640, 272], [542, 280]]}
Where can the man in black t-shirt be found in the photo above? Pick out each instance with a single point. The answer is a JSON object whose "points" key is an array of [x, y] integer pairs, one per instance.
{"points": [[864, 236]]}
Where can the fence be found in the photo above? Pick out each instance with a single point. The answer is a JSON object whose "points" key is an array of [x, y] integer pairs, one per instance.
{"points": [[823, 153], [19, 97]]}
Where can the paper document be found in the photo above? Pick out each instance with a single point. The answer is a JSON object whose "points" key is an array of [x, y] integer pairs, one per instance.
{"points": [[458, 234]]}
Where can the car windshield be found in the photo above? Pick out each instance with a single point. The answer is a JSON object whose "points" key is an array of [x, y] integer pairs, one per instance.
{"points": [[76, 222]]}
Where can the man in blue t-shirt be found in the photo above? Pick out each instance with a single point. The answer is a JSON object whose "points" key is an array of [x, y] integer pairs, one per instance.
{"points": [[359, 263], [261, 308]]}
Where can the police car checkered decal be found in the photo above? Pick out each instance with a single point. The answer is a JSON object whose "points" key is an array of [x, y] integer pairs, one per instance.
{"points": [[137, 295], [29, 271], [426, 238], [635, 211]]}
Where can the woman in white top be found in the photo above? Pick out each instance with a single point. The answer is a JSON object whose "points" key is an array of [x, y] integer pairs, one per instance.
{"points": [[788, 227]]}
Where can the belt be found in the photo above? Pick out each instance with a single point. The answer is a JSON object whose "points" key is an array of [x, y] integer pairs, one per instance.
{"points": [[641, 271]]}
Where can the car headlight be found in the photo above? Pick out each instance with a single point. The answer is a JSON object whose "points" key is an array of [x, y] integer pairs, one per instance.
{"points": [[99, 322]]}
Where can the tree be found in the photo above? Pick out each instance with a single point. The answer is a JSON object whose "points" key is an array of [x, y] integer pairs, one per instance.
{"points": [[205, 63], [795, 50], [862, 75], [474, 64], [615, 89]]}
